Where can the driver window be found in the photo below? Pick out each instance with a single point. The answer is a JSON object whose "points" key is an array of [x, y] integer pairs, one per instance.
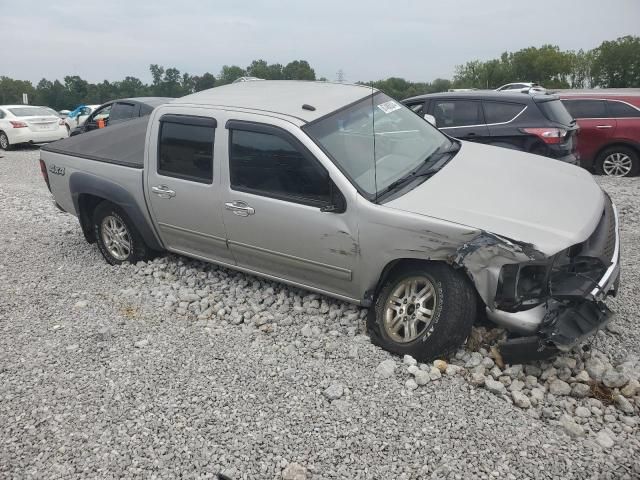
{"points": [[272, 166], [101, 117]]}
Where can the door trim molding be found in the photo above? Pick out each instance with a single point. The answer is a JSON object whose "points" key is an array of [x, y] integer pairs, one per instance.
{"points": [[338, 272], [193, 232]]}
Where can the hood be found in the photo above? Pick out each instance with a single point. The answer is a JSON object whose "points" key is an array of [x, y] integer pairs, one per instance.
{"points": [[525, 197]]}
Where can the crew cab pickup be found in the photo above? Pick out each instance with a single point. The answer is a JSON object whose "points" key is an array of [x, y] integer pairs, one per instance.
{"points": [[342, 190]]}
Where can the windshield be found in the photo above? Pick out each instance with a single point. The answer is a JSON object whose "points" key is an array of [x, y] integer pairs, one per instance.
{"points": [[555, 111], [31, 111], [403, 141]]}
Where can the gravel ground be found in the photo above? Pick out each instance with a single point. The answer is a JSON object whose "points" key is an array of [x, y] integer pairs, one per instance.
{"points": [[178, 368]]}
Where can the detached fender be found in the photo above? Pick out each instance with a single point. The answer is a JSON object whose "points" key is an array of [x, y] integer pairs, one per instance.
{"points": [[81, 183]]}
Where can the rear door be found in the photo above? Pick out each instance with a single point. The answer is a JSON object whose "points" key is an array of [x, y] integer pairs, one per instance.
{"points": [[275, 199], [183, 185], [596, 126], [460, 118]]}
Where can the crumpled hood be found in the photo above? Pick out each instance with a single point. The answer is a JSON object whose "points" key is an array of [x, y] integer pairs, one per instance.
{"points": [[525, 197]]}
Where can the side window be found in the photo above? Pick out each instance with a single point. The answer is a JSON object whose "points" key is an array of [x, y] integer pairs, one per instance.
{"points": [[621, 110], [185, 147], [586, 108], [457, 113], [500, 112], [102, 114], [274, 166], [418, 108], [122, 111]]}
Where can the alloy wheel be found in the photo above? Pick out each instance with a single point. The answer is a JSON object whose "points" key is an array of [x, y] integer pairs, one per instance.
{"points": [[115, 237], [410, 308], [4, 141], [617, 164]]}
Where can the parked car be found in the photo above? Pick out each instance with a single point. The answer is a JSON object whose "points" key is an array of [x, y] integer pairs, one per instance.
{"points": [[118, 111], [609, 137], [528, 87], [530, 123], [416, 225], [78, 116], [29, 124]]}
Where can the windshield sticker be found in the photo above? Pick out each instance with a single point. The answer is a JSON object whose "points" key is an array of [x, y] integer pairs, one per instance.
{"points": [[388, 107]]}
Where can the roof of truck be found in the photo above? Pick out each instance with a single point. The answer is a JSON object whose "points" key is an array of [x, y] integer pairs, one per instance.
{"points": [[285, 97]]}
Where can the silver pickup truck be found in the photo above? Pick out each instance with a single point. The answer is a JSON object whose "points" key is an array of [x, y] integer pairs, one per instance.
{"points": [[341, 190]]}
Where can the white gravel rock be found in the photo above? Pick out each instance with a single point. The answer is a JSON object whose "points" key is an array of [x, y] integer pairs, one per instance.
{"points": [[604, 440], [409, 360], [494, 387], [614, 379], [421, 377], [571, 427], [520, 399], [334, 391], [386, 368], [559, 388]]}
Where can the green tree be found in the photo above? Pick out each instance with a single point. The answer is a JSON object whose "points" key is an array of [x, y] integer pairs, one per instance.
{"points": [[204, 82], [298, 70], [11, 90], [616, 64], [229, 73], [261, 69]]}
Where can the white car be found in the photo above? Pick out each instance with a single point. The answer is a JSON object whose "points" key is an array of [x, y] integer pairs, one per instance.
{"points": [[77, 120], [29, 124], [525, 87]]}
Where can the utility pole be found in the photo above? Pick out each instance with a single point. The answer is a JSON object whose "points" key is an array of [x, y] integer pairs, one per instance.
{"points": [[340, 76]]}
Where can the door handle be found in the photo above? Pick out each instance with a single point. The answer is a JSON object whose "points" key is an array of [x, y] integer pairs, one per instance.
{"points": [[604, 126], [471, 134], [240, 208], [163, 191]]}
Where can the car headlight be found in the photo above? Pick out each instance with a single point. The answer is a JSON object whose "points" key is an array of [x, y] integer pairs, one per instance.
{"points": [[522, 286]]}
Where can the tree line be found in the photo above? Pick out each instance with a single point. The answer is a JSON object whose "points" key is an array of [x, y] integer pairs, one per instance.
{"points": [[613, 64]]}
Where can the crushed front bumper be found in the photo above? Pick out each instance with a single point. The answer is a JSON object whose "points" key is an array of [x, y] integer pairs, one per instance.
{"points": [[575, 311]]}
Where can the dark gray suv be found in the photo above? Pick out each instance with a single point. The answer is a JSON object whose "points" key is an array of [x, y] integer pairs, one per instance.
{"points": [[537, 124]]}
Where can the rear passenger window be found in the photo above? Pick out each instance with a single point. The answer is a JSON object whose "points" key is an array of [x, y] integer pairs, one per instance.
{"points": [[185, 148], [273, 166], [121, 111], [586, 108], [621, 110], [500, 112], [457, 113]]}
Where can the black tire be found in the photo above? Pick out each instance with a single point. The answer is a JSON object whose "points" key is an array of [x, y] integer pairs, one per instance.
{"points": [[4, 142], [454, 312], [137, 250], [622, 150]]}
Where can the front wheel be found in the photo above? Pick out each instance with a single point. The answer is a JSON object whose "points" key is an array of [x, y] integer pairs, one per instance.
{"points": [[618, 162], [116, 236], [425, 310]]}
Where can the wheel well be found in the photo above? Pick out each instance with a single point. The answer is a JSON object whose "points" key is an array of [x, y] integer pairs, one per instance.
{"points": [[633, 147], [87, 204], [397, 265]]}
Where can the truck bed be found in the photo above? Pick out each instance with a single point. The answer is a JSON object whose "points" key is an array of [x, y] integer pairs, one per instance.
{"points": [[120, 144]]}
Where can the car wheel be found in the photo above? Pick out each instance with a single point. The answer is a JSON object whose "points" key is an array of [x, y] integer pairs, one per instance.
{"points": [[425, 310], [4, 141], [116, 236], [618, 162]]}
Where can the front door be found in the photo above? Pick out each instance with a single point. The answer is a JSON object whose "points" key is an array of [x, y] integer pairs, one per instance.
{"points": [[281, 213], [183, 190]]}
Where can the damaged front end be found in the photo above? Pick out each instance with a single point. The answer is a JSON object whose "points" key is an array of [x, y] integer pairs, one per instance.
{"points": [[552, 303]]}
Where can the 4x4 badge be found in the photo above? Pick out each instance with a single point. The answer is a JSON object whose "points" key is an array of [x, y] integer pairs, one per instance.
{"points": [[56, 170]]}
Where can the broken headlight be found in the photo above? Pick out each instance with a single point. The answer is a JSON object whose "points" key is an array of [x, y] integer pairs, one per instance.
{"points": [[522, 286]]}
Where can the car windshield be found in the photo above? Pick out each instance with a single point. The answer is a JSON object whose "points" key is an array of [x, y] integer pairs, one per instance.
{"points": [[402, 141], [31, 111], [555, 111]]}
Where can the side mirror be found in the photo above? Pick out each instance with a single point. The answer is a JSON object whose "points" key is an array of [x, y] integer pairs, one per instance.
{"points": [[430, 118]]}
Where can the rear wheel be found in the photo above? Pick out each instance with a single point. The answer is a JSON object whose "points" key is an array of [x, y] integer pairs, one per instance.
{"points": [[425, 310], [4, 141], [618, 161], [116, 236]]}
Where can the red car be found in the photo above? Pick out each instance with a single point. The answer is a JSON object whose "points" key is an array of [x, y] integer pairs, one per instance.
{"points": [[609, 136]]}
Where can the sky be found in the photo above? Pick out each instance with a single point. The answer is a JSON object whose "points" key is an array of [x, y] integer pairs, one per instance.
{"points": [[419, 40]]}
